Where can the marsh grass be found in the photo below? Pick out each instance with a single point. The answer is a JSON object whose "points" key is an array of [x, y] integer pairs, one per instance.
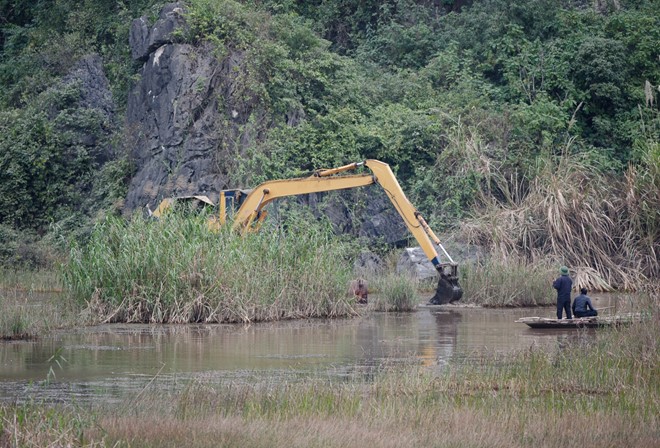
{"points": [[44, 426], [396, 292], [30, 280], [28, 315], [17, 322], [175, 270], [605, 229], [507, 282]]}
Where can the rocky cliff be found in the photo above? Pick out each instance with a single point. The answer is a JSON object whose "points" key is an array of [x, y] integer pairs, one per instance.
{"points": [[187, 115], [188, 118]]}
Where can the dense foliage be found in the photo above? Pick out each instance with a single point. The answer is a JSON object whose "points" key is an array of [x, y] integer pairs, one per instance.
{"points": [[467, 100]]}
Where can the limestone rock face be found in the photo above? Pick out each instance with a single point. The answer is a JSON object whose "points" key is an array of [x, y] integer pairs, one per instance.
{"points": [[95, 100], [186, 117], [414, 261], [366, 213], [145, 39], [94, 86], [191, 115]]}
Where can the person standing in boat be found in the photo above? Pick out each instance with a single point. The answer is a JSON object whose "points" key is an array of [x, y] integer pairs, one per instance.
{"points": [[563, 285], [582, 306]]}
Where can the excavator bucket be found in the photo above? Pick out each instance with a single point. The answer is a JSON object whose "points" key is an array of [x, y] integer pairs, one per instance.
{"points": [[448, 290]]}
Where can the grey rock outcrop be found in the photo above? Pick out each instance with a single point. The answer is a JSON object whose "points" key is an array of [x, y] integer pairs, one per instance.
{"points": [[191, 114], [94, 101], [94, 86], [366, 213], [368, 263], [414, 261], [187, 117], [144, 39]]}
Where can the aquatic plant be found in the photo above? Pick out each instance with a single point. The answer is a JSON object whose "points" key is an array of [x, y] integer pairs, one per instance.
{"points": [[25, 315], [396, 292], [176, 270], [17, 319], [507, 282]]}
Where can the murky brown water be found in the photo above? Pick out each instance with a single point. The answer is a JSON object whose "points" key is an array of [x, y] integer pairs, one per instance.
{"points": [[111, 361]]}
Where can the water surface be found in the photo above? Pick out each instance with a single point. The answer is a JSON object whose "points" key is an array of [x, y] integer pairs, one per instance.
{"points": [[110, 361]]}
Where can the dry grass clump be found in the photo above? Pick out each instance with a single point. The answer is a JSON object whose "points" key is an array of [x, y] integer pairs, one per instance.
{"points": [[605, 229]]}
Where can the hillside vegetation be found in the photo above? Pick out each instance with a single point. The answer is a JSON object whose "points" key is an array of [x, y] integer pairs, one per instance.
{"points": [[531, 127]]}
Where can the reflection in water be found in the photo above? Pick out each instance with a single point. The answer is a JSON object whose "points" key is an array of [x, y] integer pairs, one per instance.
{"points": [[114, 360], [437, 347]]}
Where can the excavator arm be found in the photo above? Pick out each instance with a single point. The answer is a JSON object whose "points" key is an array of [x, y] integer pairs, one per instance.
{"points": [[251, 212]]}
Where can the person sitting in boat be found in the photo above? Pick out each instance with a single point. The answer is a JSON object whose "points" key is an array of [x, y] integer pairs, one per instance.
{"points": [[582, 306]]}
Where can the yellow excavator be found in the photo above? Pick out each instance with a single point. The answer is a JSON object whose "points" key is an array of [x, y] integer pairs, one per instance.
{"points": [[249, 206]]}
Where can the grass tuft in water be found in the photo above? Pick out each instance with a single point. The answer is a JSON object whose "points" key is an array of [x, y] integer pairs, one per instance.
{"points": [[510, 282], [26, 315], [397, 292], [16, 323]]}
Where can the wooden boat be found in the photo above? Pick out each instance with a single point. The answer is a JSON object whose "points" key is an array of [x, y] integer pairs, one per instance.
{"points": [[580, 322]]}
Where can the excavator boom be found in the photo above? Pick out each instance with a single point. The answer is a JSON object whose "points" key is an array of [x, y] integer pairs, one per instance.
{"points": [[251, 212]]}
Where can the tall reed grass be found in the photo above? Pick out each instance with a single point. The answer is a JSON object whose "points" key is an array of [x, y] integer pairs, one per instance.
{"points": [[176, 270], [564, 207], [396, 292], [510, 282], [566, 211]]}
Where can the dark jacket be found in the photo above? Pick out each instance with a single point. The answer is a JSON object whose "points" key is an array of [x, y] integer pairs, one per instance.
{"points": [[582, 303], [563, 286]]}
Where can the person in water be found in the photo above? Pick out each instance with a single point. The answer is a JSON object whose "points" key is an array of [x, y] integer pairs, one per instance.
{"points": [[359, 289], [563, 285], [582, 306]]}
